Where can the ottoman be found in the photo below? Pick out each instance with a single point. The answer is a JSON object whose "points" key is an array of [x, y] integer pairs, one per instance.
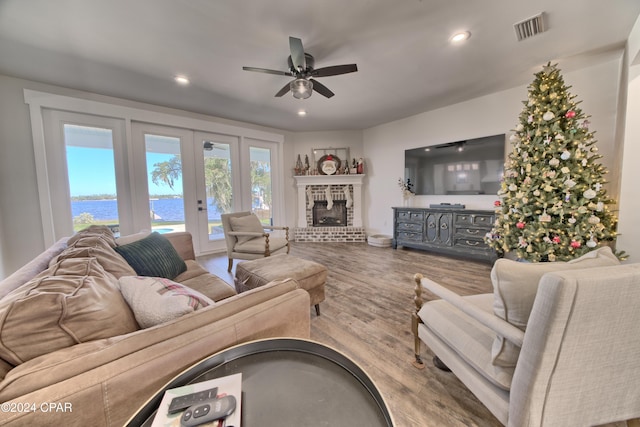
{"points": [[310, 275]]}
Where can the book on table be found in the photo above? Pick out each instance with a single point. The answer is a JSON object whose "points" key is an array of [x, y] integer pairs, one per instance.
{"points": [[226, 386]]}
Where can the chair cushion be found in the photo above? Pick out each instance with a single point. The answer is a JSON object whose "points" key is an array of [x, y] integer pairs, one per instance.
{"points": [[153, 256], [515, 285], [156, 300], [247, 223], [73, 301], [466, 337], [257, 246]]}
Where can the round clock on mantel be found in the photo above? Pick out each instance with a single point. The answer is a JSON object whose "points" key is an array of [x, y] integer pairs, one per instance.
{"points": [[328, 164]]}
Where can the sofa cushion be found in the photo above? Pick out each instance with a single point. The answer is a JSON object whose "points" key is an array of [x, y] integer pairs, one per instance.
{"points": [[156, 300], [515, 285], [247, 223], [101, 231], [73, 301], [209, 285], [95, 247], [153, 256], [125, 240]]}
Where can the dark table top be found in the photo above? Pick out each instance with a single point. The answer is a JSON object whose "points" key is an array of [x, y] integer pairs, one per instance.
{"points": [[289, 382]]}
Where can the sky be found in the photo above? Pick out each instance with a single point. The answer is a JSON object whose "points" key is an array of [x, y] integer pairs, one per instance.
{"points": [[92, 171], [91, 165]]}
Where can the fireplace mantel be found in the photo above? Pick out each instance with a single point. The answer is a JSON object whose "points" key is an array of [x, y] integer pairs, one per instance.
{"points": [[355, 180]]}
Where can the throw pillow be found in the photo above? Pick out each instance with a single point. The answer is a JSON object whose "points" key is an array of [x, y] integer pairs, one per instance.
{"points": [[153, 256], [125, 240], [515, 285], [72, 302], [155, 300], [247, 223]]}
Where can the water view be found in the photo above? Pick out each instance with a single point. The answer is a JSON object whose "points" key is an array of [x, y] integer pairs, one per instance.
{"points": [[171, 209]]}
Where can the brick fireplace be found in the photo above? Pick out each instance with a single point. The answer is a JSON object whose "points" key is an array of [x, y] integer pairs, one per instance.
{"points": [[337, 203]]}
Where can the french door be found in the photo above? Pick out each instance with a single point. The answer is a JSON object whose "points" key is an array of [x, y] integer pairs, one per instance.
{"points": [[191, 178], [133, 175]]}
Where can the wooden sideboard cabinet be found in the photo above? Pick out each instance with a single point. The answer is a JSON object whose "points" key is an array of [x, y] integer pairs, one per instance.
{"points": [[450, 231]]}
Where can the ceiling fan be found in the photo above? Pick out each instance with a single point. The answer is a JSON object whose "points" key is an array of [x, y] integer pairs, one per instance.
{"points": [[301, 67]]}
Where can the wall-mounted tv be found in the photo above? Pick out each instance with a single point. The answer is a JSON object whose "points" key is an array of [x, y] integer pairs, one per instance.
{"points": [[474, 166]]}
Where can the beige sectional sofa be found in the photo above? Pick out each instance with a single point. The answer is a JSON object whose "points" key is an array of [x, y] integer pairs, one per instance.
{"points": [[71, 345]]}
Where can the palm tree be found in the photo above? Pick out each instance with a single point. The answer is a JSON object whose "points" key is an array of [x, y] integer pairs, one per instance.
{"points": [[217, 173]]}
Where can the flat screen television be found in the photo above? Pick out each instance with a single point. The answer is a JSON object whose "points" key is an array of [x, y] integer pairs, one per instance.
{"points": [[474, 166]]}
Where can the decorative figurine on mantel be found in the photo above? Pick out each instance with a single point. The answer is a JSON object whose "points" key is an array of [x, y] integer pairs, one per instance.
{"points": [[298, 169], [354, 166], [306, 164], [360, 167]]}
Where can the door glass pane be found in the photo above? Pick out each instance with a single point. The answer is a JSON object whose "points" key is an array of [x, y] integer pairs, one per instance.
{"points": [[92, 178], [164, 172], [218, 185], [261, 194]]}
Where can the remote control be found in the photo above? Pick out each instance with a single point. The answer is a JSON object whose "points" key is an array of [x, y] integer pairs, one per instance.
{"points": [[210, 410], [180, 403]]}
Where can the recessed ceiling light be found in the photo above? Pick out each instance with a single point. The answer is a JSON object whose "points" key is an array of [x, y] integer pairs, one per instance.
{"points": [[182, 80], [302, 113], [460, 37]]}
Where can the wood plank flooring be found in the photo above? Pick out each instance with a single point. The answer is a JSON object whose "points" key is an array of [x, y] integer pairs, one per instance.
{"points": [[366, 315]]}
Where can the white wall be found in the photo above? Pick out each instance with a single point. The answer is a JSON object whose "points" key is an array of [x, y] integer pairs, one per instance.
{"points": [[596, 86]]}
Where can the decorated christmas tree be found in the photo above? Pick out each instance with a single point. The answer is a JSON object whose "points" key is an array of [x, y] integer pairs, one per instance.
{"points": [[553, 205]]}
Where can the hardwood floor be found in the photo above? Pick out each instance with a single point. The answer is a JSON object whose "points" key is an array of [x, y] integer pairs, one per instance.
{"points": [[366, 315]]}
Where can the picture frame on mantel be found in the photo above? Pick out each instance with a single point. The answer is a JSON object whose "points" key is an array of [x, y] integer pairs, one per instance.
{"points": [[340, 153]]}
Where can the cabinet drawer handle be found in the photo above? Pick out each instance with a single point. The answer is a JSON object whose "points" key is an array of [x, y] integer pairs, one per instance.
{"points": [[444, 226], [473, 231], [482, 219], [472, 243], [432, 225]]}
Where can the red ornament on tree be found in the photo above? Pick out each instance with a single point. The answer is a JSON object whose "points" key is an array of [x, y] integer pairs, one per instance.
{"points": [[575, 244], [520, 225], [570, 114], [556, 239], [497, 203]]}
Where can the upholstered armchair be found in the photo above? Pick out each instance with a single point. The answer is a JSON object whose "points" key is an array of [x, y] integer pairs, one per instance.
{"points": [[556, 344], [247, 238]]}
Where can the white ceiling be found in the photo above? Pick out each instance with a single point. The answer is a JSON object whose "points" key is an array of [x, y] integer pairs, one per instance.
{"points": [[132, 49]]}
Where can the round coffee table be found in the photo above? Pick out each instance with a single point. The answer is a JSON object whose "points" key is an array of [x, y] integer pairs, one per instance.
{"points": [[288, 382]]}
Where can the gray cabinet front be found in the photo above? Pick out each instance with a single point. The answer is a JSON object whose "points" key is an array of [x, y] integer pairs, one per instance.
{"points": [[438, 228], [452, 231]]}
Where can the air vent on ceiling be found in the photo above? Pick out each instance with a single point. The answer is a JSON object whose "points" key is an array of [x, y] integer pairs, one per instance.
{"points": [[529, 27]]}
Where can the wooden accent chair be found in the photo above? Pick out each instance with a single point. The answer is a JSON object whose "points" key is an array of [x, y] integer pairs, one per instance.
{"points": [[247, 238]]}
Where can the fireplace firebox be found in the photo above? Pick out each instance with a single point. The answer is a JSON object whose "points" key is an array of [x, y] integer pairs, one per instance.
{"points": [[334, 217]]}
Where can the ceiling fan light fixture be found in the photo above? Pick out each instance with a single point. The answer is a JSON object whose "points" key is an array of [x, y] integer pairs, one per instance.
{"points": [[181, 79], [301, 88], [460, 37]]}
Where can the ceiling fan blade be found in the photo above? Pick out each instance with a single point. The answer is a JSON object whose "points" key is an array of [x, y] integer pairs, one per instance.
{"points": [[267, 71], [284, 90], [321, 89], [297, 53], [335, 70]]}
